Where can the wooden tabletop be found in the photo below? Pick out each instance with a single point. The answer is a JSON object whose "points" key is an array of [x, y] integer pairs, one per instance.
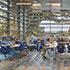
{"points": [[15, 45]]}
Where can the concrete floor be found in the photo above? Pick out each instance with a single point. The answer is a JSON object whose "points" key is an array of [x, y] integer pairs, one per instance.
{"points": [[35, 62]]}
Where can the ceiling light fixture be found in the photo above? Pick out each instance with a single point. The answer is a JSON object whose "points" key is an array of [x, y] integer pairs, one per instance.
{"points": [[23, 3], [37, 4], [54, 4]]}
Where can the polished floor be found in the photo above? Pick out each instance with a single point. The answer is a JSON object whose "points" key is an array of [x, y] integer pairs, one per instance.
{"points": [[34, 61]]}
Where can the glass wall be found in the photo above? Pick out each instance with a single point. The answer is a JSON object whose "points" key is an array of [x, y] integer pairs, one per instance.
{"points": [[3, 17], [8, 18], [57, 23]]}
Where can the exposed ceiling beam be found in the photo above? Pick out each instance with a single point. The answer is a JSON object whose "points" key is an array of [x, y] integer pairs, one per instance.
{"points": [[23, 1], [55, 1]]}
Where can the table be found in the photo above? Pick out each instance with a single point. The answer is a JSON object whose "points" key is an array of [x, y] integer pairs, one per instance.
{"points": [[15, 46]]}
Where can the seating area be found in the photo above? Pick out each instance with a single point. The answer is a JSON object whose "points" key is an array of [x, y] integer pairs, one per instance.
{"points": [[8, 51], [34, 34]]}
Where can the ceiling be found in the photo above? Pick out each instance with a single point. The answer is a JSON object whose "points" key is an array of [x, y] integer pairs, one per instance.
{"points": [[65, 3]]}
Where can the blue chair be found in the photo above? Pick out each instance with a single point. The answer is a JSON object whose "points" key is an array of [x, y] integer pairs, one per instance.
{"points": [[5, 50], [40, 46], [20, 48], [60, 49], [25, 45], [35, 42], [68, 48]]}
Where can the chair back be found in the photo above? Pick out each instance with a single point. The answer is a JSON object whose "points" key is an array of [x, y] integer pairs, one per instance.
{"points": [[61, 49]]}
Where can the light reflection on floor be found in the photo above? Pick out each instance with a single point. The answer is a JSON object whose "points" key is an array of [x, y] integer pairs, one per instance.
{"points": [[35, 63]]}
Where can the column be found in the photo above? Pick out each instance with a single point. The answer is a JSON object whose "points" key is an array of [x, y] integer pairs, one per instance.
{"points": [[8, 20], [18, 20], [23, 23]]}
